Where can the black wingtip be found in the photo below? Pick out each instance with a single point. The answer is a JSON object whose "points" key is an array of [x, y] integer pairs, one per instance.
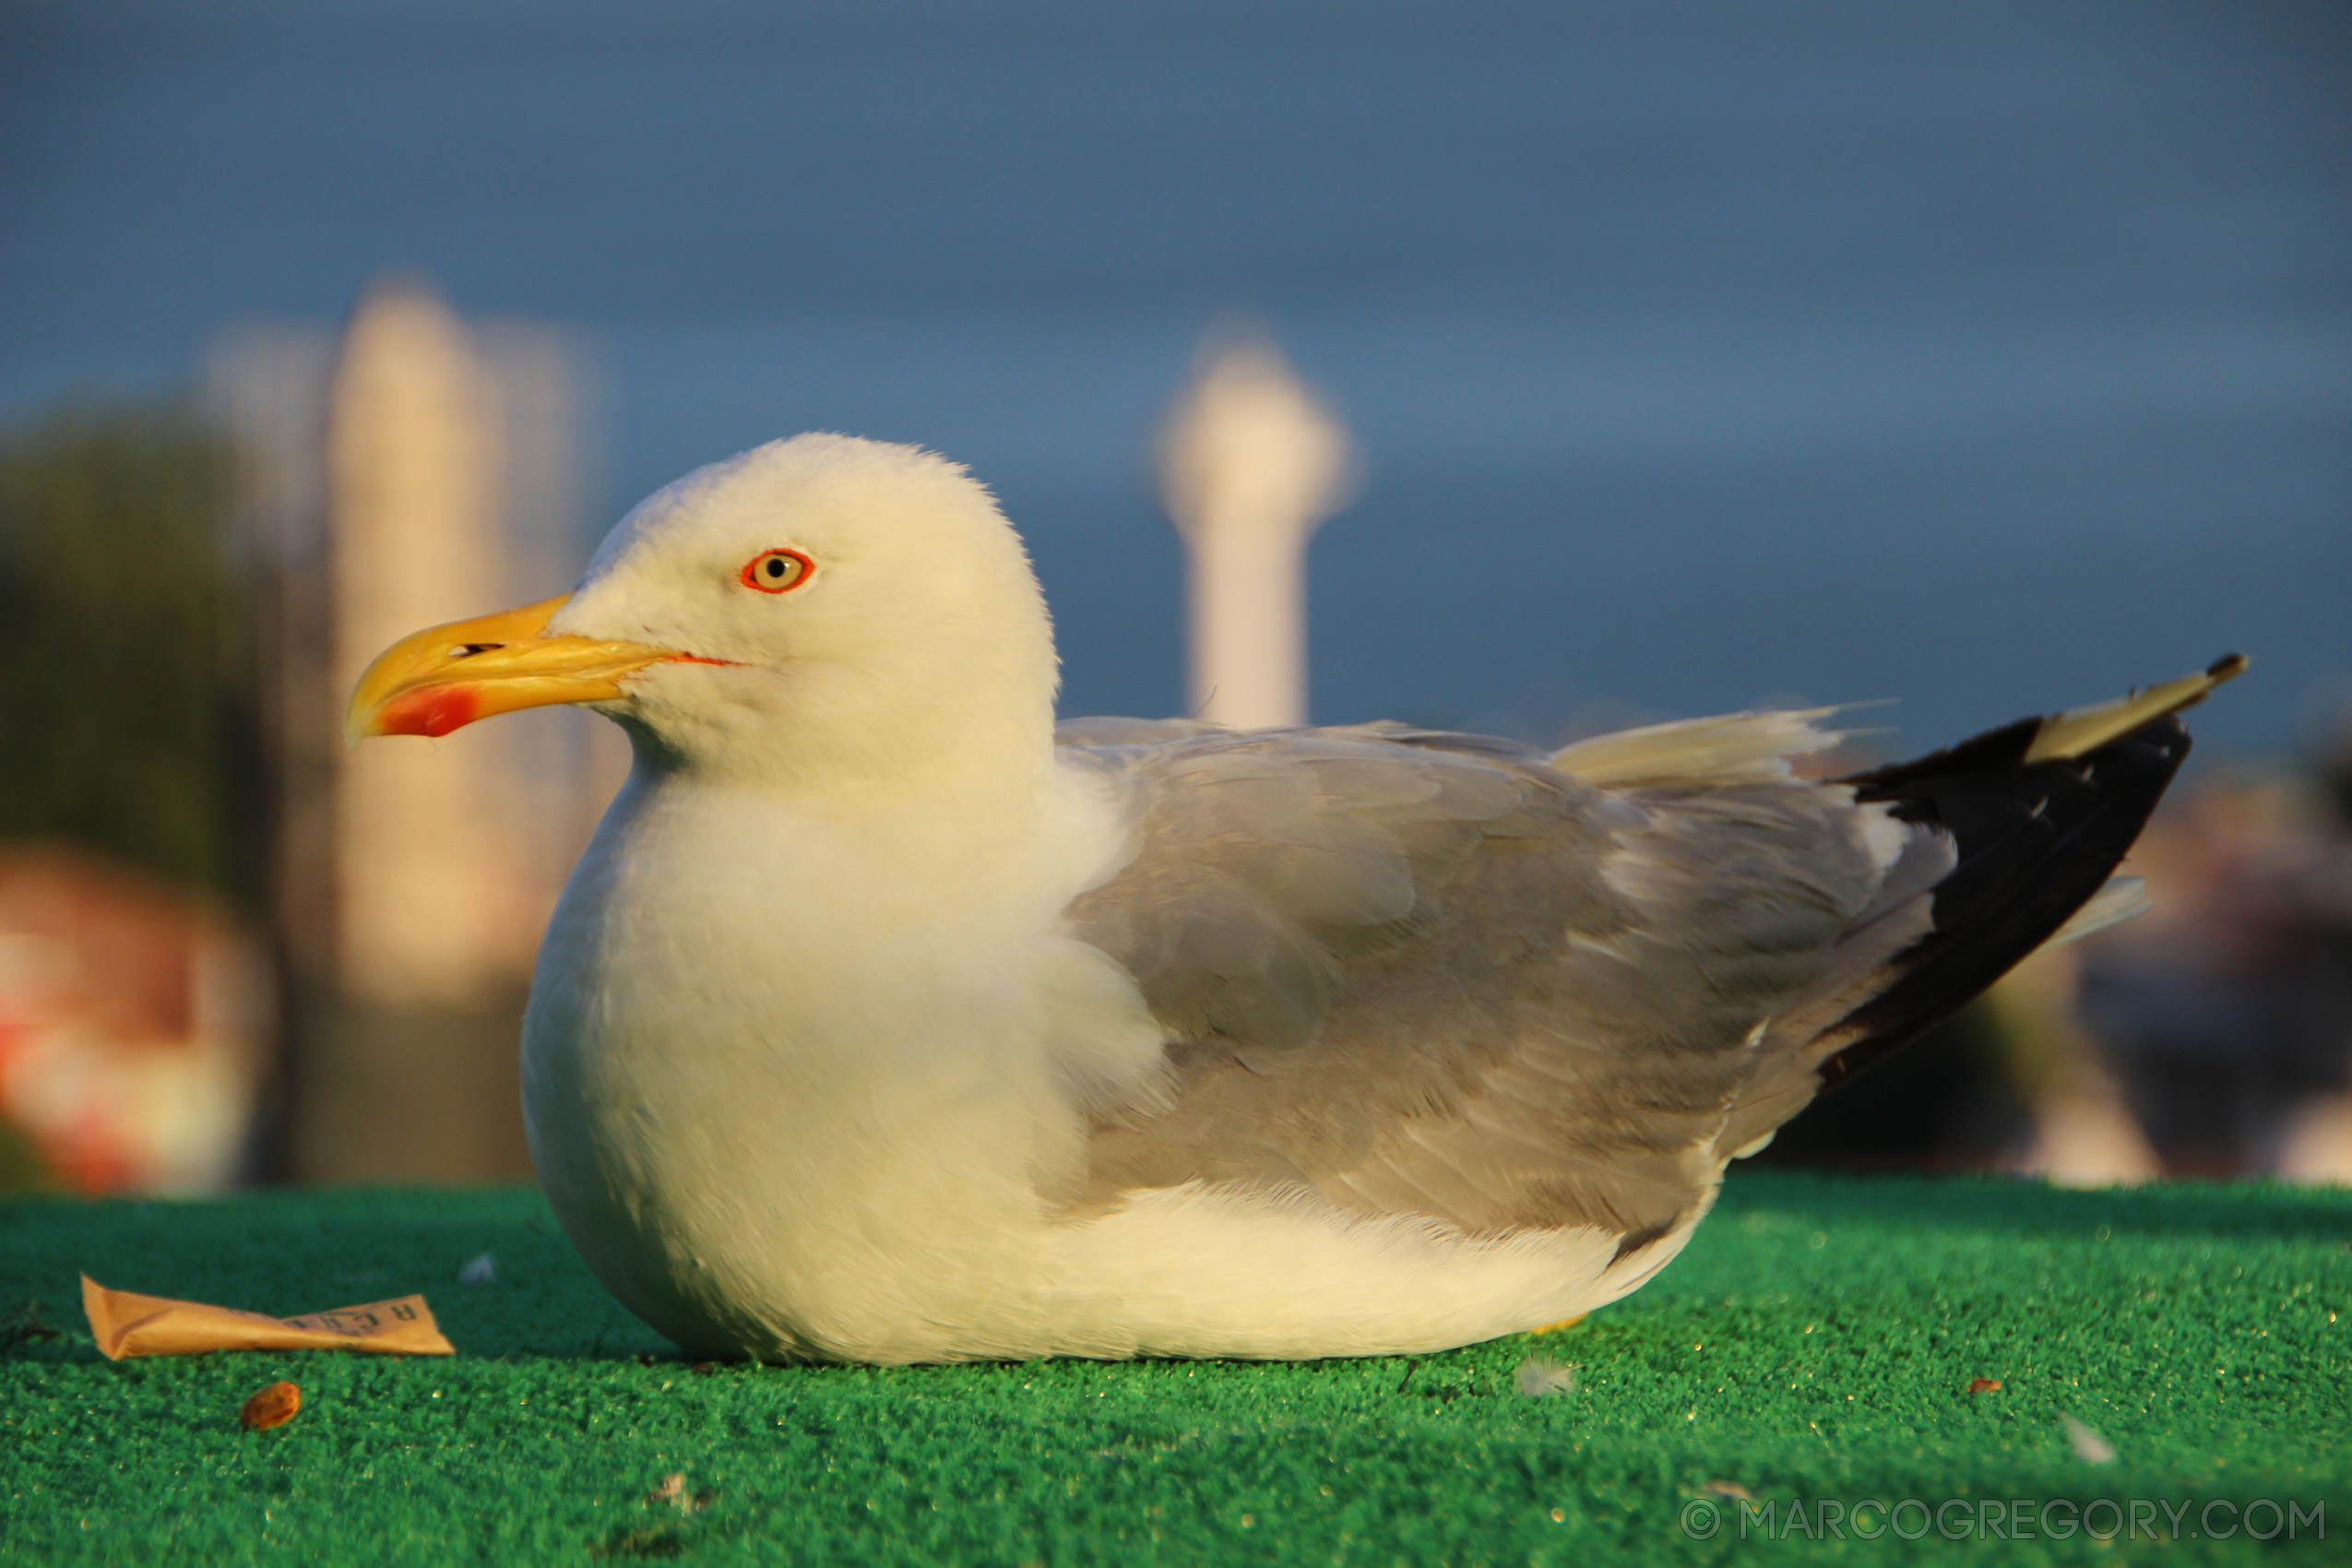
{"points": [[2035, 841]]}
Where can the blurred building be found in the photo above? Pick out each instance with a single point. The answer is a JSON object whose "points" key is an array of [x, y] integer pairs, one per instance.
{"points": [[131, 1027], [1250, 461], [412, 471], [2227, 1012]]}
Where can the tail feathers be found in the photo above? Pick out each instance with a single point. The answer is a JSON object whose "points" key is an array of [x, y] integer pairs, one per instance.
{"points": [[2123, 898], [2036, 841], [2068, 735], [2039, 814]]}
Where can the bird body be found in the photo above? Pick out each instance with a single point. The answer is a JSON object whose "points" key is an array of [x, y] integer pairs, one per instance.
{"points": [[884, 1189], [882, 1023]]}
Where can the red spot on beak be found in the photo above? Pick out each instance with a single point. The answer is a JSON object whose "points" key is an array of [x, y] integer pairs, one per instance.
{"points": [[430, 711]]}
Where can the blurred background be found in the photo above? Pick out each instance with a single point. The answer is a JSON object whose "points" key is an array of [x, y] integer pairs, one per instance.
{"points": [[1667, 359]]}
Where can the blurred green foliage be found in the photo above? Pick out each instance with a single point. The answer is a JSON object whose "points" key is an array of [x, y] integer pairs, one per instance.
{"points": [[127, 684]]}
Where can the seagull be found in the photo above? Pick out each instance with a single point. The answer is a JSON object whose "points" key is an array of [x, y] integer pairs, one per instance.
{"points": [[884, 1022]]}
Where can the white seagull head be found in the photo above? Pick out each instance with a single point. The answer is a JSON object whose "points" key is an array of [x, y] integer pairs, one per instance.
{"points": [[820, 609]]}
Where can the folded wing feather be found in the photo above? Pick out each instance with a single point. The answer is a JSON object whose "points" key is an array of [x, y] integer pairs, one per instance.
{"points": [[1430, 974]]}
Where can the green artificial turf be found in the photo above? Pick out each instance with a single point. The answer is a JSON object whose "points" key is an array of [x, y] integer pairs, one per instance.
{"points": [[1816, 1341]]}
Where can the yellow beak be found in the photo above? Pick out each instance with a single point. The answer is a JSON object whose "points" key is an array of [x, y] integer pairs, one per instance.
{"points": [[445, 677]]}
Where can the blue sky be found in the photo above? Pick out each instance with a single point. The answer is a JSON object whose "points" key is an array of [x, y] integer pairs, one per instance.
{"points": [[1701, 354]]}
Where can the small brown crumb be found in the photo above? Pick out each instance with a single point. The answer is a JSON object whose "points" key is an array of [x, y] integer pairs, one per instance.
{"points": [[702, 1369], [1985, 1385], [644, 1358], [273, 1405]]}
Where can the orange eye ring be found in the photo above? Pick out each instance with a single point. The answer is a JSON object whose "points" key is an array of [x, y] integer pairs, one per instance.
{"points": [[776, 571]]}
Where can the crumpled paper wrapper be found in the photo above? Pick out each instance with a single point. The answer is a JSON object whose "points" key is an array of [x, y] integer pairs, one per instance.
{"points": [[127, 1323]]}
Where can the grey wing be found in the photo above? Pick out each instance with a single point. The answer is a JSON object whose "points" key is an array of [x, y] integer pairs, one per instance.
{"points": [[1431, 974]]}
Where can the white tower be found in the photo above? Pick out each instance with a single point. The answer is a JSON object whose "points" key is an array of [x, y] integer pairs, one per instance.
{"points": [[418, 469], [423, 861], [1250, 462]]}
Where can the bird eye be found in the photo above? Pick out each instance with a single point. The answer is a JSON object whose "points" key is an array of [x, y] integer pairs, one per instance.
{"points": [[776, 571]]}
